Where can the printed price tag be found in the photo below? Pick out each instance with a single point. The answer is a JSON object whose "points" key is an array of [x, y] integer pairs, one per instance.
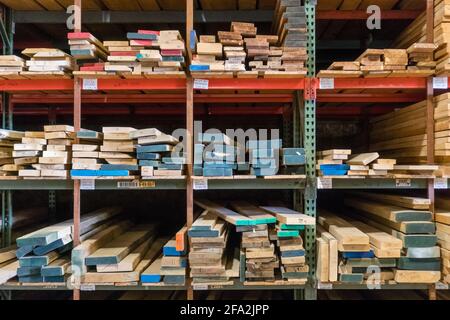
{"points": [[201, 84], [441, 286], [324, 183], [324, 285], [326, 83], [201, 184], [87, 184], [441, 183], [200, 286], [440, 83], [87, 287], [90, 84], [135, 184], [403, 183]]}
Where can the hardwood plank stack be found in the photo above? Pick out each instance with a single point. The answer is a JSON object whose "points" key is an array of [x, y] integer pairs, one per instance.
{"points": [[211, 260], [56, 159], [11, 66], [233, 49], [42, 255], [442, 217], [86, 48], [85, 154], [7, 140], [420, 261], [47, 63], [209, 55], [121, 256], [27, 153], [264, 157], [215, 155], [157, 154], [416, 32], [8, 264], [401, 134], [415, 61]]}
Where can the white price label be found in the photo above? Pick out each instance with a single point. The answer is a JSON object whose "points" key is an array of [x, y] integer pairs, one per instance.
{"points": [[201, 184], [441, 183], [441, 286], [87, 184], [326, 83], [403, 183], [201, 84], [200, 286], [324, 183], [324, 286], [440, 83], [90, 84], [87, 287]]}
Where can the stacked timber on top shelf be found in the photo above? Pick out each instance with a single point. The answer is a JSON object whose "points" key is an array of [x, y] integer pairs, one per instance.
{"points": [[271, 247], [416, 61], [402, 134], [47, 64], [145, 54], [341, 163], [416, 32], [8, 138], [381, 239], [241, 52]]}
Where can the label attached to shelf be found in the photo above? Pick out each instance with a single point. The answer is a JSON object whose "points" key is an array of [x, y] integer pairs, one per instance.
{"points": [[326, 83], [90, 84], [201, 84], [200, 286], [324, 183], [442, 286], [87, 184], [403, 183], [441, 183], [325, 285], [201, 184], [440, 83], [135, 184], [87, 287]]}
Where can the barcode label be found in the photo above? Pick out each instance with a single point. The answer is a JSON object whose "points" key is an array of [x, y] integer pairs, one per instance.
{"points": [[90, 84], [440, 83], [200, 286], [324, 286], [326, 83], [135, 184], [201, 84], [403, 183], [201, 184], [324, 183], [441, 183], [87, 184], [87, 287]]}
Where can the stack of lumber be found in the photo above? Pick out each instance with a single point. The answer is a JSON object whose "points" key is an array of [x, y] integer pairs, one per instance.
{"points": [[233, 49], [209, 55], [11, 66], [157, 154], [118, 149], [47, 63], [8, 138], [264, 157], [341, 162], [415, 61], [442, 217], [210, 260], [42, 254], [86, 48], [27, 154], [118, 255], [289, 242], [8, 264], [420, 261], [85, 153], [350, 251], [56, 159], [416, 32], [402, 134], [290, 26], [258, 253], [215, 155], [173, 264]]}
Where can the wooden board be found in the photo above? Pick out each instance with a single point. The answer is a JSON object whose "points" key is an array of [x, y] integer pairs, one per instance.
{"points": [[288, 216]]}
